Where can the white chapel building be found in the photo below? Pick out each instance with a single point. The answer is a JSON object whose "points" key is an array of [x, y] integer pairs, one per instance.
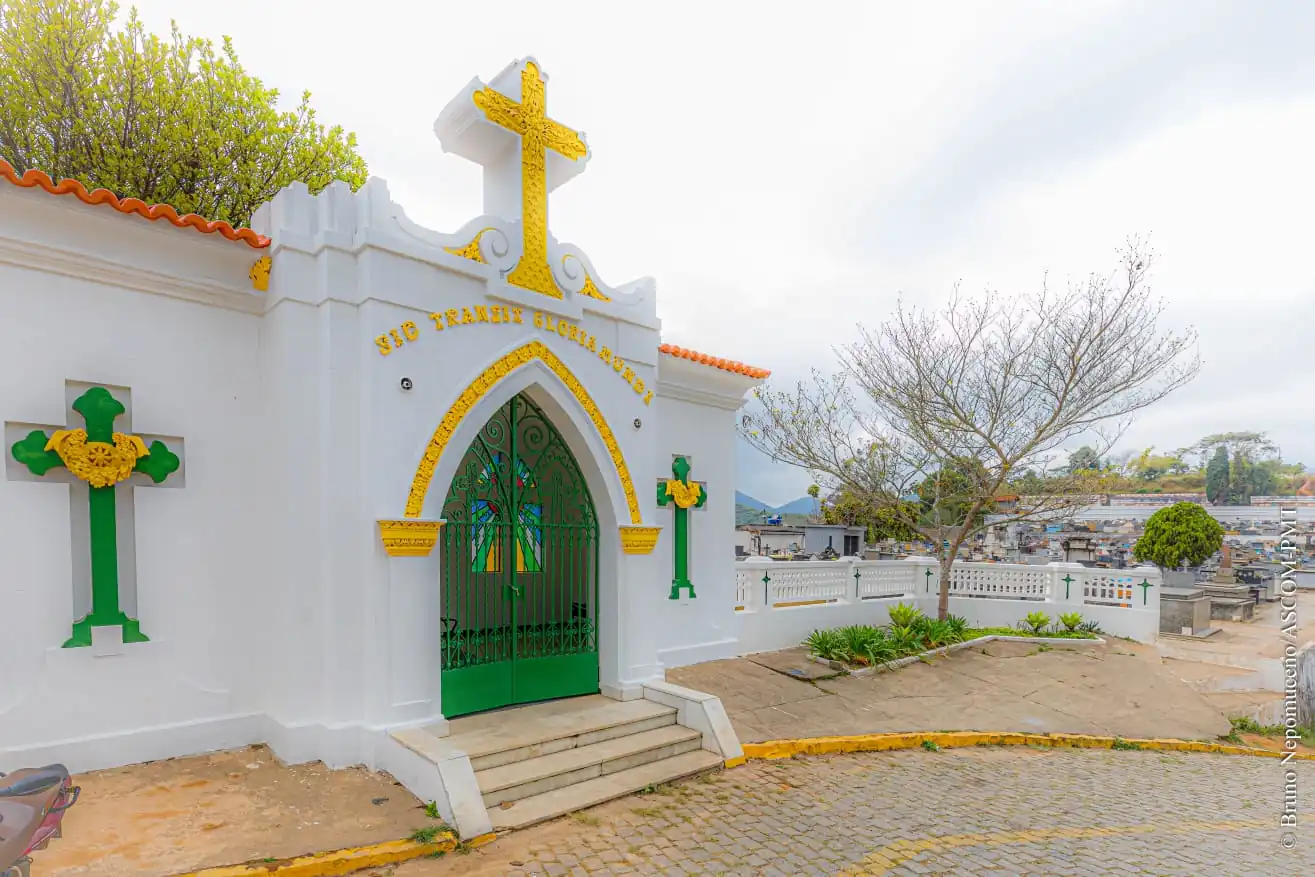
{"points": [[355, 488]]}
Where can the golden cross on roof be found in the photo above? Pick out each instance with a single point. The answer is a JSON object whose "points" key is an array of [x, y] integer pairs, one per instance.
{"points": [[538, 134]]}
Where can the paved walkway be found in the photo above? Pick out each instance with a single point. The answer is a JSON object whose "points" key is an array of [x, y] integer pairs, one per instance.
{"points": [[980, 812], [1118, 689]]}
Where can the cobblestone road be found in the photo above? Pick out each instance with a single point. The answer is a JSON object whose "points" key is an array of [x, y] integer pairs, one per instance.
{"points": [[980, 812]]}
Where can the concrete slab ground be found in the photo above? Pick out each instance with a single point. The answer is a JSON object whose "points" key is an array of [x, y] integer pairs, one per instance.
{"points": [[1117, 689], [169, 817]]}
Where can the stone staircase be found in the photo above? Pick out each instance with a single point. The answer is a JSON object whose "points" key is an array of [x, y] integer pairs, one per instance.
{"points": [[537, 762]]}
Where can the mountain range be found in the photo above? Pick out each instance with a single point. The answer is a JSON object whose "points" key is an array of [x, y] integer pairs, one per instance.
{"points": [[804, 505]]}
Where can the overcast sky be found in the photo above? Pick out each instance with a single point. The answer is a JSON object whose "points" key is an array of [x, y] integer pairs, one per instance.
{"points": [[786, 170]]}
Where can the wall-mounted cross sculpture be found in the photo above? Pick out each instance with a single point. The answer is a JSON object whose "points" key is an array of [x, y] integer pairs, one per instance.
{"points": [[686, 495], [103, 458]]}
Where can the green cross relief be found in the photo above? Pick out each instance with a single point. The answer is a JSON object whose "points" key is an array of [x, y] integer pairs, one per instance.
{"points": [[686, 495], [927, 581], [1145, 589], [1067, 580], [103, 458]]}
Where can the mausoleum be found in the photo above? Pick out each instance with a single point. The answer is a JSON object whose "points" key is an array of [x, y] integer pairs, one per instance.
{"points": [[336, 481]]}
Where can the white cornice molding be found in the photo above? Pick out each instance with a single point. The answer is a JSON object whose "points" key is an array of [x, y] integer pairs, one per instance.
{"points": [[95, 269], [699, 396]]}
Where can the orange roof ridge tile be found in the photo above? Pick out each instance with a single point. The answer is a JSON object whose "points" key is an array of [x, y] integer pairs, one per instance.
{"points": [[729, 365], [37, 179]]}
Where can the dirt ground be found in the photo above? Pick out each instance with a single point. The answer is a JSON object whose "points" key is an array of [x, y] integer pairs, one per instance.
{"points": [[1119, 688], [169, 817]]}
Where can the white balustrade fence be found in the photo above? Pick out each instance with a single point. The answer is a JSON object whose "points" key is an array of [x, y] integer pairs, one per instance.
{"points": [[780, 602]]}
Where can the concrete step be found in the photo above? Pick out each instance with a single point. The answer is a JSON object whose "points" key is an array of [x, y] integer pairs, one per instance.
{"points": [[507, 736], [534, 776], [568, 799]]}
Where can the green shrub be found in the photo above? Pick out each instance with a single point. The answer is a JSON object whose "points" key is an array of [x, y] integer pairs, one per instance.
{"points": [[1037, 621], [902, 615], [1090, 627], [905, 641], [936, 634], [826, 644], [958, 627], [1070, 620]]}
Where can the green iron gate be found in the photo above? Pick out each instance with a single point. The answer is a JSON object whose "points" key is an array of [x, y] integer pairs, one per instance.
{"points": [[520, 569]]}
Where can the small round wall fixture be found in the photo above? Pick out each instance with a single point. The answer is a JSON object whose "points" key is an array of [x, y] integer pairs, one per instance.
{"points": [[638, 423], [407, 384]]}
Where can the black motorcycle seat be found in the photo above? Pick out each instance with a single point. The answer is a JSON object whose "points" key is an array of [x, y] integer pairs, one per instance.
{"points": [[32, 780]]}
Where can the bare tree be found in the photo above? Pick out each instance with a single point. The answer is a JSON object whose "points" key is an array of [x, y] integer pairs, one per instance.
{"points": [[931, 415]]}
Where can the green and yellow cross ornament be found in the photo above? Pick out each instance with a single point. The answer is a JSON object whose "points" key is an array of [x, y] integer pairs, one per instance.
{"points": [[686, 495], [103, 458]]}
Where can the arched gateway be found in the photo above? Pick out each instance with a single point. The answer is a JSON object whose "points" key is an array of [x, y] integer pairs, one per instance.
{"points": [[519, 566]]}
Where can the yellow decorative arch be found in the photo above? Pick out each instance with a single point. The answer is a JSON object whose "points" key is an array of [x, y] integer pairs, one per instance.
{"points": [[469, 397]]}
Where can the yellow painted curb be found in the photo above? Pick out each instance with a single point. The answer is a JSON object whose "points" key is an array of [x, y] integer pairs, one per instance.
{"points": [[950, 739], [340, 862]]}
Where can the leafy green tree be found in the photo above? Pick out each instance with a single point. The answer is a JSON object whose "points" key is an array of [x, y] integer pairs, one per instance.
{"points": [[879, 523], [1181, 533], [1084, 459], [1239, 479], [1216, 476], [175, 120]]}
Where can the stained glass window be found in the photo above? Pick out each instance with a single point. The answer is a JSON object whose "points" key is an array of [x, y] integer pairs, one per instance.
{"points": [[486, 534]]}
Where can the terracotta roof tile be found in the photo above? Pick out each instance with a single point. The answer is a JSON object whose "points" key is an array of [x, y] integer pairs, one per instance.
{"points": [[729, 365], [36, 179]]}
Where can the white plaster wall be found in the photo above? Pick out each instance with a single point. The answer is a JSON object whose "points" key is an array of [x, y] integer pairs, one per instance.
{"points": [[696, 418], [96, 299]]}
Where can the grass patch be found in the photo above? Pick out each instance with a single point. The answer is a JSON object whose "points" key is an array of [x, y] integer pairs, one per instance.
{"points": [[931, 746], [425, 835], [1245, 725], [910, 633], [1122, 745], [584, 818]]}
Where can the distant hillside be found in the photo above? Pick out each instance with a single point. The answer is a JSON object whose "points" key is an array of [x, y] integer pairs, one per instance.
{"points": [[804, 505], [743, 499]]}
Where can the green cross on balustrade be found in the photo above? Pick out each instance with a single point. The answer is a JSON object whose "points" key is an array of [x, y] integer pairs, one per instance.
{"points": [[1145, 588], [1067, 580], [767, 583], [686, 495], [857, 576], [927, 581], [103, 458]]}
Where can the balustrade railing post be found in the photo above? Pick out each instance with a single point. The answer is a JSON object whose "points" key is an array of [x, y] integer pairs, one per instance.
{"points": [[1066, 583]]}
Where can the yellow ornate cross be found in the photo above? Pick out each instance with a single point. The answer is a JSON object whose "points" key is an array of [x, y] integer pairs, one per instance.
{"points": [[538, 134]]}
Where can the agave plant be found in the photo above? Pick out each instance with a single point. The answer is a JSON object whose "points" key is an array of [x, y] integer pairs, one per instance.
{"points": [[1090, 627], [903, 615], [936, 634], [905, 641], [826, 644], [857, 637], [1036, 621], [881, 650]]}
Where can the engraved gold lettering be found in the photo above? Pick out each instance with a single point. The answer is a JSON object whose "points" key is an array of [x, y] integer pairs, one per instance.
{"points": [[648, 397], [563, 328], [453, 318], [481, 314], [516, 314], [538, 320], [467, 316], [438, 320], [384, 347], [628, 375], [574, 333], [638, 385], [605, 355], [397, 339], [617, 363], [593, 348], [410, 331], [495, 311]]}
